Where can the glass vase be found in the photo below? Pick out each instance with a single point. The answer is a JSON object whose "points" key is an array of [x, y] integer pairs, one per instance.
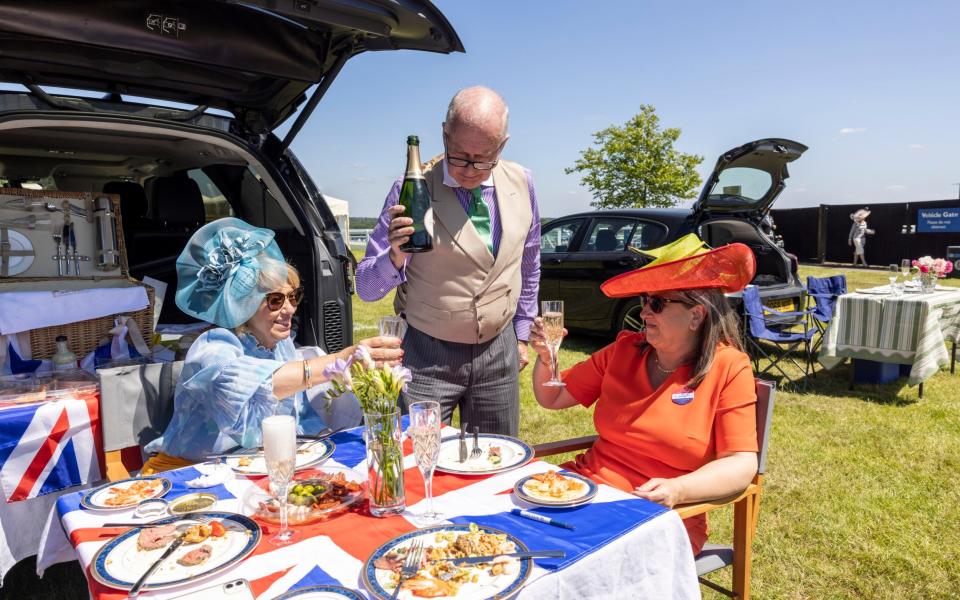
{"points": [[928, 283], [382, 436]]}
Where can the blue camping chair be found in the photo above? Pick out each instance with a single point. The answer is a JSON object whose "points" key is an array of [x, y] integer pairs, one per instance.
{"points": [[823, 291], [766, 326]]}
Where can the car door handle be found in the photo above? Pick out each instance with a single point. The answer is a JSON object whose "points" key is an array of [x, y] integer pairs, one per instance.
{"points": [[552, 261]]}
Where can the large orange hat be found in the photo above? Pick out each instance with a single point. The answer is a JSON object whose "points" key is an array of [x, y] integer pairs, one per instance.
{"points": [[686, 264]]}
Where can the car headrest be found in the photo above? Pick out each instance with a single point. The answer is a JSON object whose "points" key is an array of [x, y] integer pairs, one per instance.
{"points": [[606, 240], [133, 200], [178, 201]]}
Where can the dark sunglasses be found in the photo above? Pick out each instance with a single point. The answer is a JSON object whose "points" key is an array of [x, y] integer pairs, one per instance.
{"points": [[658, 303], [275, 300]]}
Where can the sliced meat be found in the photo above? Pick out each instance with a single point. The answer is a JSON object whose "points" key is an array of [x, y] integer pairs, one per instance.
{"points": [[389, 562], [152, 538], [196, 556]]}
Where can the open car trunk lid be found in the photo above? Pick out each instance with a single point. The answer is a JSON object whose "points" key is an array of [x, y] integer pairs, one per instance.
{"points": [[255, 59], [747, 179]]}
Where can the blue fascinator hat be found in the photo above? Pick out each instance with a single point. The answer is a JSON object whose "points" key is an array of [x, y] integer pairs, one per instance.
{"points": [[218, 272]]}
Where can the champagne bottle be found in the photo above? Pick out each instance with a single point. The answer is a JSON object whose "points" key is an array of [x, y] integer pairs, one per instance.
{"points": [[415, 199]]}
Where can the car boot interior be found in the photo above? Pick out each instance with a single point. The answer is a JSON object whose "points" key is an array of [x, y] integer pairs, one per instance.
{"points": [[772, 269], [170, 182]]}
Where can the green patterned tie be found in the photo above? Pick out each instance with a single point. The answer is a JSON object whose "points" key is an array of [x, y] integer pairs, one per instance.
{"points": [[480, 217]]}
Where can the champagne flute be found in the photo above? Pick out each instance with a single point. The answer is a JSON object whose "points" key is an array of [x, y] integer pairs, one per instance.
{"points": [[551, 311], [895, 275], [280, 454], [425, 431], [905, 267], [391, 327]]}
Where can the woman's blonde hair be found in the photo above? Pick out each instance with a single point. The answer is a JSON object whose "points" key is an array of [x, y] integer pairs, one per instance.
{"points": [[720, 327]]}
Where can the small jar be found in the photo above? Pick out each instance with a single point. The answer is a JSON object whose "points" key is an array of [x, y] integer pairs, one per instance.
{"points": [[63, 359]]}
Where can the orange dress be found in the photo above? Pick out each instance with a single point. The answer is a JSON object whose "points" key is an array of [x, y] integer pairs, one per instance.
{"points": [[646, 433]]}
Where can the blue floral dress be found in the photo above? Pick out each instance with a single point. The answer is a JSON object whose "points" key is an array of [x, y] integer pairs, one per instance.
{"points": [[225, 390]]}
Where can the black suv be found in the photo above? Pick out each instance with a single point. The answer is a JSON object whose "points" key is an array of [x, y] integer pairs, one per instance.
{"points": [[581, 251], [242, 68]]}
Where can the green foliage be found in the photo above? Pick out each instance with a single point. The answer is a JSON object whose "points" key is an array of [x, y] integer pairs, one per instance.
{"points": [[636, 166], [363, 222]]}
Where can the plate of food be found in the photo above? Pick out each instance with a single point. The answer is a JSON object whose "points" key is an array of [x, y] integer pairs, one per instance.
{"points": [[498, 453], [555, 488], [440, 578], [126, 493], [315, 495], [212, 541], [308, 455], [321, 592]]}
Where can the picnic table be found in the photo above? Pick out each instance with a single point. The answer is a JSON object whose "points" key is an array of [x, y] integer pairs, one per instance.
{"points": [[912, 328], [623, 546]]}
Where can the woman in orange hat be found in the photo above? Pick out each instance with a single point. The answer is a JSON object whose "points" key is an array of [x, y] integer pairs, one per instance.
{"points": [[675, 404]]}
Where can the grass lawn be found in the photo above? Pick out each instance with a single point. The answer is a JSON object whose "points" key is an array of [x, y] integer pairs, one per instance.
{"points": [[861, 489]]}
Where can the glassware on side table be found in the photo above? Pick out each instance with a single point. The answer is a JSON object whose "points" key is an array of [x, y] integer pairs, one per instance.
{"points": [[280, 453], [425, 418], [894, 276], [551, 311]]}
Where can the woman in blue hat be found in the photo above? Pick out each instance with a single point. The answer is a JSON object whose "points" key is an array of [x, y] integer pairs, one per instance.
{"points": [[233, 275]]}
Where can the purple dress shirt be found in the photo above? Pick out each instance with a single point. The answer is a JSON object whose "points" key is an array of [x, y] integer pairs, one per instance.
{"points": [[376, 275]]}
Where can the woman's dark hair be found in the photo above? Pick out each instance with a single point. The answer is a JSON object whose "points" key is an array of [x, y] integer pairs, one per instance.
{"points": [[721, 326]]}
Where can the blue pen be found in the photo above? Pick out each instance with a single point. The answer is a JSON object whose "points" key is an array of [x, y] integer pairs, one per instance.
{"points": [[538, 517]]}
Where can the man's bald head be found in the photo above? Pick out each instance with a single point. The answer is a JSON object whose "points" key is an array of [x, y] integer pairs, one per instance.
{"points": [[479, 109]]}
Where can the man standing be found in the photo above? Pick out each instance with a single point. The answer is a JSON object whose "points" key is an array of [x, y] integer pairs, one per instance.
{"points": [[468, 303]]}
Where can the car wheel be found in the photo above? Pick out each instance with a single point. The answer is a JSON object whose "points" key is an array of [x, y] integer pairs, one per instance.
{"points": [[630, 319]]}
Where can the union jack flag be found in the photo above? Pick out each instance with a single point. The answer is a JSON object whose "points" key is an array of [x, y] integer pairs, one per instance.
{"points": [[48, 447]]}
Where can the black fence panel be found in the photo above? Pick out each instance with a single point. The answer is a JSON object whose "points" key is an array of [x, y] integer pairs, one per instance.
{"points": [[798, 227]]}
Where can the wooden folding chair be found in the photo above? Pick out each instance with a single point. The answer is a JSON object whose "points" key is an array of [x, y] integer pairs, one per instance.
{"points": [[746, 504]]}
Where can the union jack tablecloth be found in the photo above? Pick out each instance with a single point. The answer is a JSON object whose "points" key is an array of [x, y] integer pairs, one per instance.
{"points": [[623, 547], [44, 448]]}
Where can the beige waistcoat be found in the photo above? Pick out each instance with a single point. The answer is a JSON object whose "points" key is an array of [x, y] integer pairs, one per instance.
{"points": [[458, 292]]}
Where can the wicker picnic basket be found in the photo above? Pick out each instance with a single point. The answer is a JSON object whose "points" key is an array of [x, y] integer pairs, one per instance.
{"points": [[84, 336]]}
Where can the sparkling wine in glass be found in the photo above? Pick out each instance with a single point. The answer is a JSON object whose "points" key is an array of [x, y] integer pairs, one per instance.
{"points": [[280, 454], [551, 311], [425, 432]]}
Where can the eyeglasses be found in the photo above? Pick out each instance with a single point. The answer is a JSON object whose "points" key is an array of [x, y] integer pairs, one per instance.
{"points": [[478, 165], [275, 300], [658, 303]]}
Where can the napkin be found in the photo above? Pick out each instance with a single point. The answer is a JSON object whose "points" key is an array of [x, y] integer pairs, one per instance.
{"points": [[211, 475]]}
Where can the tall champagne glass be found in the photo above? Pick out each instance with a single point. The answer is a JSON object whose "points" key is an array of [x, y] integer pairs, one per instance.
{"points": [[551, 311], [425, 431], [894, 275], [905, 267], [280, 454], [391, 327]]}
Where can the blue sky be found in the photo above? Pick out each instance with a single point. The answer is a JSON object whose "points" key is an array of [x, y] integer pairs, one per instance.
{"points": [[873, 88]]}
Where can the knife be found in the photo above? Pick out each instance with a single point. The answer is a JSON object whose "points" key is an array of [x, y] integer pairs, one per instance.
{"points": [[76, 255], [472, 560], [156, 564], [463, 446]]}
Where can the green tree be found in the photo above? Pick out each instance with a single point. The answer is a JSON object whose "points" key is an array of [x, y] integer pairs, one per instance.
{"points": [[637, 166]]}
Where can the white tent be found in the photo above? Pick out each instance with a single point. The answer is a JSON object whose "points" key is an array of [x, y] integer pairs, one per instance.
{"points": [[341, 212]]}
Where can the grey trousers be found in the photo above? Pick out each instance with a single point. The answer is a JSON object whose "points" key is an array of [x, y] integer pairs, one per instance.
{"points": [[481, 379]]}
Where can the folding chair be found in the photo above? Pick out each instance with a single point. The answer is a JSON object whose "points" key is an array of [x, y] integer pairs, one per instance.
{"points": [[765, 324], [823, 292], [746, 504]]}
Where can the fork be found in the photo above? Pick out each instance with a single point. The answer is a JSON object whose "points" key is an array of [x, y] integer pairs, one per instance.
{"points": [[476, 452], [411, 564]]}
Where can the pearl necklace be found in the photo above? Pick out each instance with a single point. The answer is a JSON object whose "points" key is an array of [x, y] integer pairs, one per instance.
{"points": [[656, 363]]}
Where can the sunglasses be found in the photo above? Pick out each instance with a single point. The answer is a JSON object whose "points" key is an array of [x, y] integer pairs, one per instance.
{"points": [[275, 300], [658, 303]]}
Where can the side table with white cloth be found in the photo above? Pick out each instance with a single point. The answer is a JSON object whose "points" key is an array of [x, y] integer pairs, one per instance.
{"points": [[623, 546], [911, 328]]}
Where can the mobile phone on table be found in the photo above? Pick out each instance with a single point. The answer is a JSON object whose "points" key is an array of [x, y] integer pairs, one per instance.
{"points": [[238, 589]]}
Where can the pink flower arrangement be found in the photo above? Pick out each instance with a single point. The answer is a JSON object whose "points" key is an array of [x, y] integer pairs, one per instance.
{"points": [[937, 266]]}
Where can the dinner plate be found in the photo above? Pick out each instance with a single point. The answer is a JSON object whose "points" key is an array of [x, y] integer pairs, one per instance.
{"points": [[19, 264], [379, 581], [321, 592], [526, 489], [119, 563], [513, 453], [96, 499], [258, 503], [308, 455]]}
